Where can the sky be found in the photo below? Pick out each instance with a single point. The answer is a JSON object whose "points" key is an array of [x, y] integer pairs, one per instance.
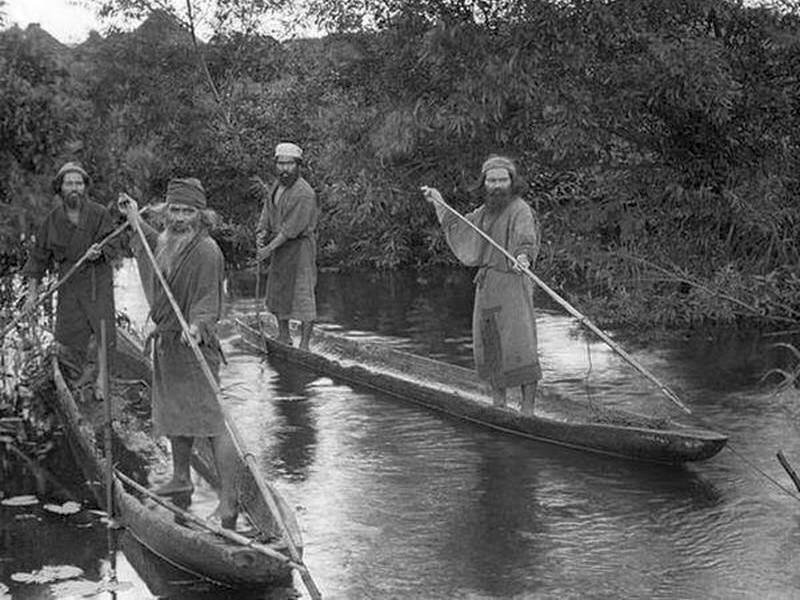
{"points": [[70, 22], [64, 20]]}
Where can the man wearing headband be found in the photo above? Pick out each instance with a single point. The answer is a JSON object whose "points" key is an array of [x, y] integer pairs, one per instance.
{"points": [[74, 228], [184, 405], [503, 321], [289, 221]]}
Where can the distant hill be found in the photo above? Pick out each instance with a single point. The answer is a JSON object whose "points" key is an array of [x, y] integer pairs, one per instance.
{"points": [[158, 25], [35, 34]]}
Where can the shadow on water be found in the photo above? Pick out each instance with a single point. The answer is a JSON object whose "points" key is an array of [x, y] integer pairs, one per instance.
{"points": [[296, 440]]}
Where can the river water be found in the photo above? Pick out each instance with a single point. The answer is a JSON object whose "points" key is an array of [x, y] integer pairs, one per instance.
{"points": [[396, 501]]}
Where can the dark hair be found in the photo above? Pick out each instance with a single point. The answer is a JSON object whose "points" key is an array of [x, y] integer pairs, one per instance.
{"points": [[209, 218], [58, 180], [519, 187]]}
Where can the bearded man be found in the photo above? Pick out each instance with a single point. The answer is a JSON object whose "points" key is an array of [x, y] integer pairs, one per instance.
{"points": [[289, 220], [504, 320], [184, 405], [71, 229]]}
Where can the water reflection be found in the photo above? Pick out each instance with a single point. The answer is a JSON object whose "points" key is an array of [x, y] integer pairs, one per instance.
{"points": [[296, 440], [505, 515]]}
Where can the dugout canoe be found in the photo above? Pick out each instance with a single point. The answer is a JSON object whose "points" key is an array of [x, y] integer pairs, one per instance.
{"points": [[187, 547], [458, 392]]}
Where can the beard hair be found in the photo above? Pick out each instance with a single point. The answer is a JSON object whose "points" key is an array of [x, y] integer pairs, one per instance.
{"points": [[169, 247], [497, 200], [287, 179], [72, 199]]}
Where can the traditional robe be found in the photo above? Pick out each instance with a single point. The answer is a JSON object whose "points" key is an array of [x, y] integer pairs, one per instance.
{"points": [[87, 297], [504, 320], [292, 274], [184, 403]]}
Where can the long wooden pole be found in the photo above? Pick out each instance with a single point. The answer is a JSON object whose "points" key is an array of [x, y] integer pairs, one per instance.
{"points": [[51, 290], [102, 362], [228, 534], [236, 437], [570, 309]]}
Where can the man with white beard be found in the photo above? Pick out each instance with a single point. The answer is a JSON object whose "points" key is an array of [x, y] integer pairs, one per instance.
{"points": [[71, 229], [184, 405], [503, 320]]}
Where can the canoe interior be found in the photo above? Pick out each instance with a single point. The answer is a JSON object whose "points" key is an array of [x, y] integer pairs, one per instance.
{"points": [[185, 546], [459, 392]]}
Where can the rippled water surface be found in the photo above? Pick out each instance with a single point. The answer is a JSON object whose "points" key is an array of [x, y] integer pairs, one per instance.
{"points": [[396, 501]]}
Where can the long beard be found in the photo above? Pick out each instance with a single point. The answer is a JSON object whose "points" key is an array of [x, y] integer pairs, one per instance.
{"points": [[287, 178], [497, 200], [72, 199], [169, 247]]}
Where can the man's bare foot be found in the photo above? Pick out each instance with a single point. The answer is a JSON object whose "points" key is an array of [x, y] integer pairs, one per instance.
{"points": [[175, 488], [224, 518]]}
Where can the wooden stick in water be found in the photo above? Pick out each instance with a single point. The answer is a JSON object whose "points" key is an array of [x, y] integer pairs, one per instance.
{"points": [[105, 394], [672, 396], [102, 362], [789, 470]]}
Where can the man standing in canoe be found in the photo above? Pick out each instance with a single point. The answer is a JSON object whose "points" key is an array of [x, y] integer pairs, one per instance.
{"points": [[503, 321], [289, 220], [184, 405], [74, 228]]}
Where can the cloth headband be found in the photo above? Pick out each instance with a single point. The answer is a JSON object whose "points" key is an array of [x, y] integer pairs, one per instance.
{"points": [[499, 162], [290, 150], [187, 191], [72, 167]]}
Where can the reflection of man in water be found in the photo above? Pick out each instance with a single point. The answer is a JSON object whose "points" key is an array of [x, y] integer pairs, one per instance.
{"points": [[296, 437], [289, 220], [504, 321]]}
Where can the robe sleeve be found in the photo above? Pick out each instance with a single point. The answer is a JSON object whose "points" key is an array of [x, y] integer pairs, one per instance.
{"points": [[41, 255], [262, 229], [299, 216], [525, 235], [466, 244], [205, 306], [113, 249]]}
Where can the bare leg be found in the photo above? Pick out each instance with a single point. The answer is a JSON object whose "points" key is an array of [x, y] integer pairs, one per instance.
{"points": [[283, 332], [225, 460], [528, 398], [305, 334], [499, 396], [181, 482]]}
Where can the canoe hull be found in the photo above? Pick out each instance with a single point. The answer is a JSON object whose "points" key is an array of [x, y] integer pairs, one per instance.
{"points": [[457, 392], [194, 551]]}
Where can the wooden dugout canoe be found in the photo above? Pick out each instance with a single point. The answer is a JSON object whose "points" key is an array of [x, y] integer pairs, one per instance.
{"points": [[191, 549], [458, 392]]}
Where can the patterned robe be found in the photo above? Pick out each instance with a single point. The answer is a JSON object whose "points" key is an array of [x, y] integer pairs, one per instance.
{"points": [[504, 320], [87, 297], [292, 274], [184, 404]]}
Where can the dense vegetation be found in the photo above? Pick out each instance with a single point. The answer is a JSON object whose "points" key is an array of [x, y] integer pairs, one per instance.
{"points": [[659, 139]]}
